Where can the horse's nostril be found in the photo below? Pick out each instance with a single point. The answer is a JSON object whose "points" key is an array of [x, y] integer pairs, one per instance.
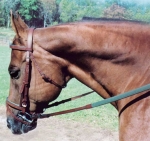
{"points": [[16, 130], [8, 123]]}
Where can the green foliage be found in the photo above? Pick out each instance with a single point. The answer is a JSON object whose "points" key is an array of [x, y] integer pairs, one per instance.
{"points": [[50, 12], [45, 12], [142, 17], [76, 10], [7, 6], [1, 14], [31, 11], [68, 11], [110, 2], [139, 13]]}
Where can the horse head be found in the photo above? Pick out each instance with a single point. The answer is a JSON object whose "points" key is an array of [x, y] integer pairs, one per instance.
{"points": [[40, 90]]}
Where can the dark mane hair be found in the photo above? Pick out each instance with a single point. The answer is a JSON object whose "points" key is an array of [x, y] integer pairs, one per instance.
{"points": [[86, 19], [93, 19]]}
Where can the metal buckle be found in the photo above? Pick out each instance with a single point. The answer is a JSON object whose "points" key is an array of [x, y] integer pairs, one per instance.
{"points": [[26, 117]]}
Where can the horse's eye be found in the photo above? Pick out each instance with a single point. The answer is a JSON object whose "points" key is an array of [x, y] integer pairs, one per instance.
{"points": [[14, 73]]}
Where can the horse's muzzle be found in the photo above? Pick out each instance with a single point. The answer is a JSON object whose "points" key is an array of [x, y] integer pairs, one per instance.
{"points": [[18, 127]]}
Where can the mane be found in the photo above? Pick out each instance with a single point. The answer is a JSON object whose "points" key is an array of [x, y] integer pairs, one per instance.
{"points": [[93, 19], [103, 20]]}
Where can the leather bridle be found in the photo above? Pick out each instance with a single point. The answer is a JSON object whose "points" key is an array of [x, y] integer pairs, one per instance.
{"points": [[25, 116]]}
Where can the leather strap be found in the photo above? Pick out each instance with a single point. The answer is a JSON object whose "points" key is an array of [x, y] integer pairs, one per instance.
{"points": [[36, 116], [20, 48], [68, 100], [43, 75], [13, 105], [30, 38], [25, 84], [18, 119], [102, 102]]}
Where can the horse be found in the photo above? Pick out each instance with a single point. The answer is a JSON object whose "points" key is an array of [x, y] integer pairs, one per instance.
{"points": [[110, 57]]}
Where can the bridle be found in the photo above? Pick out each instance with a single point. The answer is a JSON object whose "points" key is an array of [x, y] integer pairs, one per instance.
{"points": [[26, 81], [22, 107], [24, 115]]}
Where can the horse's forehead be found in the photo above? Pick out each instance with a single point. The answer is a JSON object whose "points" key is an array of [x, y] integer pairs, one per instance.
{"points": [[17, 57]]}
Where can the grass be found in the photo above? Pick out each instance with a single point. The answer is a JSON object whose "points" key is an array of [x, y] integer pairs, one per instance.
{"points": [[4, 77], [5, 36], [105, 116], [6, 32]]}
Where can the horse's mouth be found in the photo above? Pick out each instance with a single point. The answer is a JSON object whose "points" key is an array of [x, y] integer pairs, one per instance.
{"points": [[27, 128], [18, 127]]}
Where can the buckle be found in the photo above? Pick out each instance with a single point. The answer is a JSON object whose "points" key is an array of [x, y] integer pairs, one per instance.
{"points": [[26, 117]]}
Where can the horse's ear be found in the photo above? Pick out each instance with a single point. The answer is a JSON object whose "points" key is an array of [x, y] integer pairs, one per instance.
{"points": [[18, 25], [12, 22]]}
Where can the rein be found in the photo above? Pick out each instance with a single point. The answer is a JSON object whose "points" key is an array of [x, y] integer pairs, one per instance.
{"points": [[96, 104], [24, 114]]}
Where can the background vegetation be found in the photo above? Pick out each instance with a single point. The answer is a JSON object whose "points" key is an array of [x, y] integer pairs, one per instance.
{"points": [[41, 13]]}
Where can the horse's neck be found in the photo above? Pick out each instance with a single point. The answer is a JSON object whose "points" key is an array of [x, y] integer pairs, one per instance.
{"points": [[98, 57]]}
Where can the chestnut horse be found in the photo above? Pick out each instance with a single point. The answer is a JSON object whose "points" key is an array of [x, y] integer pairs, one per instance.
{"points": [[110, 57]]}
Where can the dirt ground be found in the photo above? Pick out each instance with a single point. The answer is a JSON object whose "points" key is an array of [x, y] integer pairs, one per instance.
{"points": [[55, 129]]}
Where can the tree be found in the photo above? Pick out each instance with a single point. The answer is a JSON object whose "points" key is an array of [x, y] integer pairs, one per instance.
{"points": [[1, 14], [67, 10], [108, 3], [49, 11], [76, 9], [92, 8], [115, 11], [9, 5], [139, 13], [31, 11]]}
